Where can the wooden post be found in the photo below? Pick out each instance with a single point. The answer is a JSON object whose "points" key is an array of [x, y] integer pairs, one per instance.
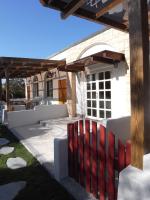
{"points": [[140, 83], [0, 89], [7, 87], [71, 94]]}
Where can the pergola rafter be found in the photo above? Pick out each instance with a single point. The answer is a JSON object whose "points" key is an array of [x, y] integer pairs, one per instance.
{"points": [[22, 68], [26, 67], [110, 6], [85, 14], [72, 7]]}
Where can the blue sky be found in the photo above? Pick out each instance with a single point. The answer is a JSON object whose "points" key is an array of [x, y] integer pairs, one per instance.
{"points": [[27, 29]]}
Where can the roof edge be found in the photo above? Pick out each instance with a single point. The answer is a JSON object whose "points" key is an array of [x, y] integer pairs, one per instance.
{"points": [[80, 41]]}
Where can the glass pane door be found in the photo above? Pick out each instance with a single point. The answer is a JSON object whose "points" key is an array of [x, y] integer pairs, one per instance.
{"points": [[99, 95], [91, 96], [104, 90]]}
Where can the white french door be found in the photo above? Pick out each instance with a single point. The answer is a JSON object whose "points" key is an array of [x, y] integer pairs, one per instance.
{"points": [[99, 95]]}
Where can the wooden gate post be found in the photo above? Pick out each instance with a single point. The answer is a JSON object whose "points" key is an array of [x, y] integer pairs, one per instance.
{"points": [[71, 93], [0, 89], [7, 88], [140, 83]]}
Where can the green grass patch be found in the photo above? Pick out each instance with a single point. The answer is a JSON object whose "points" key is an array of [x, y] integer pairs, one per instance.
{"points": [[40, 185]]}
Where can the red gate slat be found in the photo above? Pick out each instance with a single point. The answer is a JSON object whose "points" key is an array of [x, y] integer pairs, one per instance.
{"points": [[111, 168], [94, 159], [81, 152], [76, 159], [87, 163], [128, 153], [121, 156], [87, 156], [70, 131], [102, 163]]}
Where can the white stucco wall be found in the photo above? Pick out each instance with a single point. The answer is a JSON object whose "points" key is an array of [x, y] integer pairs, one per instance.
{"points": [[42, 87], [115, 39], [27, 117], [109, 39], [60, 158]]}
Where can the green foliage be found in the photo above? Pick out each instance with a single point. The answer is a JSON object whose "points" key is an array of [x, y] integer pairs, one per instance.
{"points": [[16, 88]]}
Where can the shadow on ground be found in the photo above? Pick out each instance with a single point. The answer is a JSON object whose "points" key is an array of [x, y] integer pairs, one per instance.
{"points": [[40, 185]]}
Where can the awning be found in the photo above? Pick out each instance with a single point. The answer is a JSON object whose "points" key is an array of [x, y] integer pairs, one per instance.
{"points": [[108, 57]]}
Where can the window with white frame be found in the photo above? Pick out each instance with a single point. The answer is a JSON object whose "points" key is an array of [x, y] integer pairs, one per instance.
{"points": [[99, 95]]}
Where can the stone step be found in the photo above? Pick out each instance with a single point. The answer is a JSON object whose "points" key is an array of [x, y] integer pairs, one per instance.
{"points": [[63, 121]]}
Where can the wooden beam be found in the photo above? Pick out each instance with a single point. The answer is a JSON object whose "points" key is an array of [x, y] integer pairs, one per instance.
{"points": [[12, 60], [18, 67], [23, 73], [0, 89], [21, 70], [108, 7], [140, 80], [2, 73], [102, 20], [103, 60], [112, 55], [7, 87], [88, 15], [43, 2], [26, 70], [29, 65], [75, 67], [71, 94], [72, 7]]}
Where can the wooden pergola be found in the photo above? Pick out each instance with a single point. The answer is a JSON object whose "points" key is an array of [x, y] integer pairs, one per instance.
{"points": [[132, 16], [108, 57], [11, 67]]}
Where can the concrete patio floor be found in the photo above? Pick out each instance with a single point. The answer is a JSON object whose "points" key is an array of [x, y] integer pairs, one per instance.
{"points": [[39, 140]]}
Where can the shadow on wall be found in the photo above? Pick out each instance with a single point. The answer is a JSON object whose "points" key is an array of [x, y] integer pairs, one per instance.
{"points": [[120, 70]]}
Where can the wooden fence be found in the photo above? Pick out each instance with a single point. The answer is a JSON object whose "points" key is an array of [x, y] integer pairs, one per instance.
{"points": [[95, 159]]}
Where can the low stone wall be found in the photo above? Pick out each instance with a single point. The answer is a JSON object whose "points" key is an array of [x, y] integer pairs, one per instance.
{"points": [[60, 158], [19, 107], [26, 117], [120, 127], [134, 184]]}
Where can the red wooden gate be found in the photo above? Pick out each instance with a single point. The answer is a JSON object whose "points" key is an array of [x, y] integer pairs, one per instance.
{"points": [[95, 160]]}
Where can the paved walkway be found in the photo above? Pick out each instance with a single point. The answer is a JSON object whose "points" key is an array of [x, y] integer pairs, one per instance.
{"points": [[39, 140]]}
